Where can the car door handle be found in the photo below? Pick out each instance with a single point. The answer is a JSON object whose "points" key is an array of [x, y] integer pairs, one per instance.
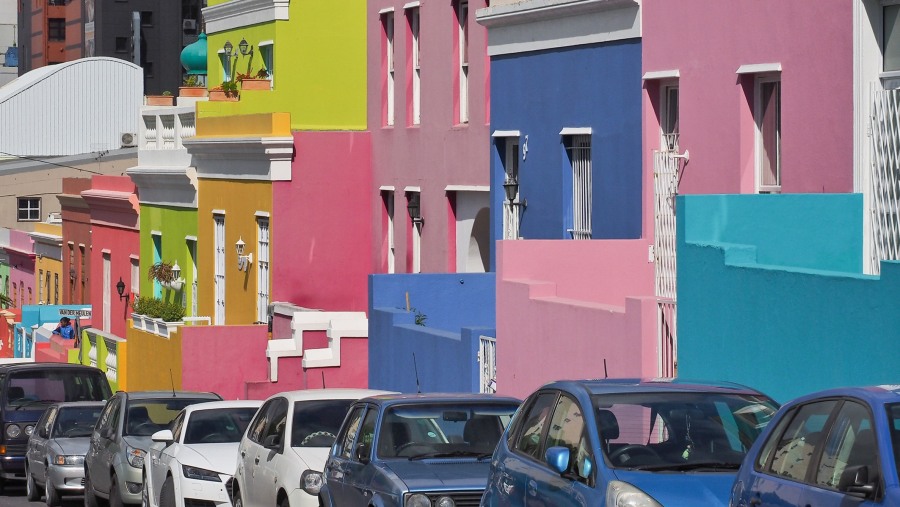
{"points": [[243, 454], [256, 461], [532, 488]]}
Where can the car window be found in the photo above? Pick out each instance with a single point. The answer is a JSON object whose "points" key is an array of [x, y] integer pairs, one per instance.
{"points": [[145, 417], [218, 425], [567, 430], [850, 443], [46, 422], [109, 418], [74, 422], [533, 422], [893, 414], [177, 425], [772, 442], [366, 435], [275, 430], [345, 440], [259, 423], [33, 387], [316, 422], [794, 448]]}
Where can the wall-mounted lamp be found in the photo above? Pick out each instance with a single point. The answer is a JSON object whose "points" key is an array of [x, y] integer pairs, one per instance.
{"points": [[511, 187], [72, 274], [246, 49], [120, 289], [228, 47], [177, 282], [414, 208], [244, 261]]}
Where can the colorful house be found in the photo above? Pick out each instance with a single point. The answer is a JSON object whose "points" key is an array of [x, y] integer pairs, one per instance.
{"points": [[20, 252], [76, 238], [48, 267]]}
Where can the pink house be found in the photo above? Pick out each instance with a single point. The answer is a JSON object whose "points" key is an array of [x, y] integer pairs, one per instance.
{"points": [[114, 207], [76, 240], [21, 268]]}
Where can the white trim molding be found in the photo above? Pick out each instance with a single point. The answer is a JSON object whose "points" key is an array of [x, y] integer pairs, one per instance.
{"points": [[506, 133], [758, 68], [386, 10], [410, 5], [467, 188], [261, 214], [576, 131], [412, 189], [242, 13], [661, 74], [386, 188], [243, 158], [165, 186]]}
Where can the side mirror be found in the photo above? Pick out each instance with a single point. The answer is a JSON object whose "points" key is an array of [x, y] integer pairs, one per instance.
{"points": [[162, 436], [363, 451], [855, 481], [558, 459], [272, 442]]}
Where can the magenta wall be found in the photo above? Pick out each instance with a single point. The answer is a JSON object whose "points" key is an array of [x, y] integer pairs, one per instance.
{"points": [[21, 266], [568, 320], [320, 223], [114, 209], [437, 152], [706, 41]]}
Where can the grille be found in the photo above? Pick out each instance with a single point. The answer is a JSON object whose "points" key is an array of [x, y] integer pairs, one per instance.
{"points": [[460, 498], [192, 502], [16, 449]]}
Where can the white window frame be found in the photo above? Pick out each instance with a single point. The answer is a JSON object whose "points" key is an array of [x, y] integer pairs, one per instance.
{"points": [[882, 40], [263, 245], [760, 81], [414, 19], [107, 296], [24, 204], [579, 147], [267, 52], [387, 27], [219, 268], [157, 257], [389, 206], [462, 16], [226, 65], [135, 276], [416, 230], [192, 252], [669, 134], [41, 287]]}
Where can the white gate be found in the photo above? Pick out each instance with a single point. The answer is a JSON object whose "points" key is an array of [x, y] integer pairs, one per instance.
{"points": [[884, 189], [665, 183], [219, 280], [487, 357]]}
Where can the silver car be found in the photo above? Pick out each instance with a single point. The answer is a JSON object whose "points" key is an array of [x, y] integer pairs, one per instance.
{"points": [[54, 459]]}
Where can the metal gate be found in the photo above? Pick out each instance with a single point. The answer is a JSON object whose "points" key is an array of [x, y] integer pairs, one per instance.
{"points": [[487, 357], [665, 183], [884, 187]]}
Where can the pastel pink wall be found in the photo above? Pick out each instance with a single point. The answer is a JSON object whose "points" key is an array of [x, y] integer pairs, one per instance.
{"points": [[706, 41], [437, 152], [114, 211], [320, 223], [21, 266], [569, 316]]}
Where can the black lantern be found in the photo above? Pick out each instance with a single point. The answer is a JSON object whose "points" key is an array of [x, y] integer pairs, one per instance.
{"points": [[243, 46], [414, 208], [120, 289], [228, 49], [511, 187]]}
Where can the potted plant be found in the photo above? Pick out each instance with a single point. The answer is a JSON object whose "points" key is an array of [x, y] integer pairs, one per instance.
{"points": [[166, 99], [258, 81], [227, 91], [170, 315], [191, 87], [162, 272]]}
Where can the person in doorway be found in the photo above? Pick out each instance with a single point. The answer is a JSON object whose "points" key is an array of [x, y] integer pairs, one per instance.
{"points": [[65, 329]]}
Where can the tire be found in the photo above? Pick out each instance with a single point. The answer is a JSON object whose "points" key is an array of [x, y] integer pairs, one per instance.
{"points": [[167, 493], [284, 502], [31, 491], [90, 500], [51, 495], [115, 498], [238, 501]]}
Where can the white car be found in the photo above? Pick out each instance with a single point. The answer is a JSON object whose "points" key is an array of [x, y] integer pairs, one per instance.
{"points": [[292, 432], [193, 462]]}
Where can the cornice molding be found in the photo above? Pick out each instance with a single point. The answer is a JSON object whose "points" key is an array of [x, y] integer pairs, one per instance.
{"points": [[243, 158], [165, 186], [113, 208], [536, 10], [71, 201], [241, 13]]}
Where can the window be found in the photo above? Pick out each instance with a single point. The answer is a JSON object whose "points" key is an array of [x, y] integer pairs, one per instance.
{"points": [[274, 434], [106, 323], [567, 430], [850, 443], [29, 209], [669, 121], [146, 18], [414, 201], [366, 435], [412, 18], [793, 450], [529, 442], [135, 276], [40, 286], [262, 269], [46, 288], [157, 258], [219, 268], [56, 29], [345, 440], [891, 38], [462, 19], [226, 66], [768, 133], [260, 421], [123, 44], [56, 288], [387, 198], [511, 209], [387, 26], [267, 52], [578, 148], [83, 278], [72, 274]]}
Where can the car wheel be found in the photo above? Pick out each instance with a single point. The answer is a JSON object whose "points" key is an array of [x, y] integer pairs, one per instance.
{"points": [[238, 501], [90, 500], [167, 493], [284, 502], [51, 495], [115, 498], [31, 491]]}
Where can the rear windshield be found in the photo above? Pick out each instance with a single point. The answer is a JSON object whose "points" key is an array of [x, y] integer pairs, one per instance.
{"points": [[146, 417], [34, 388]]}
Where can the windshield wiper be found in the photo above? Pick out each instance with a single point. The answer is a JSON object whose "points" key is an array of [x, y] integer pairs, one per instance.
{"points": [[34, 402], [453, 454], [682, 467]]}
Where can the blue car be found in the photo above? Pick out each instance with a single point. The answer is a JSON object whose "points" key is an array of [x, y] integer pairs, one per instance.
{"points": [[626, 443], [412, 451], [838, 447]]}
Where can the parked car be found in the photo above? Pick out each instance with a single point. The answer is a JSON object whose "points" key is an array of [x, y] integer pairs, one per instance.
{"points": [[54, 459], [620, 443], [114, 463], [413, 450], [290, 433], [193, 462], [832, 448], [26, 389]]}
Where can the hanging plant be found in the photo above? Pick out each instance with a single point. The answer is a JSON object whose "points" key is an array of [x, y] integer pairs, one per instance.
{"points": [[161, 272], [6, 301]]}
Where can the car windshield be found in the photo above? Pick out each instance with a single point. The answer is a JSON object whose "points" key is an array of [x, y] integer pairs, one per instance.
{"points": [[72, 422], [316, 422], [37, 388], [680, 430], [217, 426], [443, 430], [145, 417]]}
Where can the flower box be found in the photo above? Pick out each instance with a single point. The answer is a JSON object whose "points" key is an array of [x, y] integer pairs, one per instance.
{"points": [[220, 96], [192, 91], [256, 84], [155, 326], [160, 100]]}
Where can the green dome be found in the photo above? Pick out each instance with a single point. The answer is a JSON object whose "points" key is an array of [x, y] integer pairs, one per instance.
{"points": [[193, 56]]}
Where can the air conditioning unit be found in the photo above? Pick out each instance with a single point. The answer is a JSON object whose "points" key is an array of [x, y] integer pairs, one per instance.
{"points": [[189, 24], [129, 139]]}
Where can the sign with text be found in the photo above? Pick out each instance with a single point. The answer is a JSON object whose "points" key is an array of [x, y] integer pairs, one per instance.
{"points": [[75, 313]]}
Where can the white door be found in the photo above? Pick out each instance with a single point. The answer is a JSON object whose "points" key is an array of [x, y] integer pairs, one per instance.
{"points": [[220, 269], [262, 270], [107, 280], [192, 251]]}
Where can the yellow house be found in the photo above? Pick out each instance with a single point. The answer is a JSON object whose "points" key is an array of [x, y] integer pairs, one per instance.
{"points": [[49, 280]]}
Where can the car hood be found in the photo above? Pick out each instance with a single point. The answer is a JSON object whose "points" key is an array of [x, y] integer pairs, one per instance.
{"points": [[220, 458], [313, 457], [73, 446], [673, 489], [428, 475]]}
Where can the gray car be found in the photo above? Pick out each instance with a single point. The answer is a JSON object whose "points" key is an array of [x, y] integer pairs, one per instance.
{"points": [[54, 459], [113, 465]]}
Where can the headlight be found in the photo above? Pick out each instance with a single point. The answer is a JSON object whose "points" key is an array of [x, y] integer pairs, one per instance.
{"points": [[29, 429], [445, 501], [13, 431], [200, 474], [135, 456], [418, 500], [311, 481], [69, 460], [622, 494]]}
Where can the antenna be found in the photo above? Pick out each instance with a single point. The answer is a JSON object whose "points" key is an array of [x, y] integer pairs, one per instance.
{"points": [[605, 374], [323, 379], [172, 380], [416, 367]]}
